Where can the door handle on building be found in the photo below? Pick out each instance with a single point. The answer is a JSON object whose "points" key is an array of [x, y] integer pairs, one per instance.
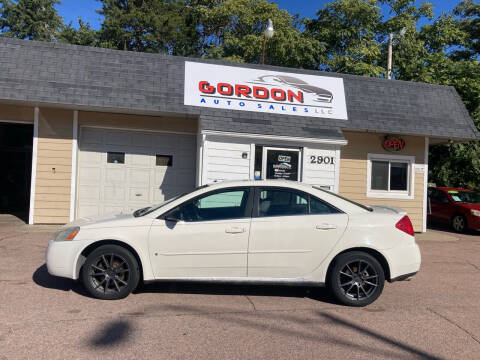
{"points": [[326, 227], [234, 230]]}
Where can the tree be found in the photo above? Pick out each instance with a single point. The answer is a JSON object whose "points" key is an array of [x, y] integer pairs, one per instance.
{"points": [[149, 26], [234, 31], [347, 32], [84, 35], [30, 19]]}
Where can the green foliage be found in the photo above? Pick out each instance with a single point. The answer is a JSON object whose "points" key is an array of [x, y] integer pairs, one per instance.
{"points": [[84, 35], [347, 32], [30, 19], [235, 31]]}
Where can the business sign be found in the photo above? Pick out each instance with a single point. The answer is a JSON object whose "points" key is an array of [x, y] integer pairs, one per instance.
{"points": [[282, 164], [393, 143], [236, 88]]}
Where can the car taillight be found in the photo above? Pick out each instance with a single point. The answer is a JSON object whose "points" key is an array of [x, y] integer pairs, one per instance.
{"points": [[405, 225]]}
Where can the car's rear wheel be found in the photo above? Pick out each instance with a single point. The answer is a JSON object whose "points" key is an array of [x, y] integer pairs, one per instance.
{"points": [[459, 223], [356, 279], [110, 272]]}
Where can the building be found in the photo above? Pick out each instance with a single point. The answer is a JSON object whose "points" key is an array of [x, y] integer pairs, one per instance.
{"points": [[85, 131]]}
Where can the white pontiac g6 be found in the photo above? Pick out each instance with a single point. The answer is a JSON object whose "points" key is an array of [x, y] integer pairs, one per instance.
{"points": [[266, 231]]}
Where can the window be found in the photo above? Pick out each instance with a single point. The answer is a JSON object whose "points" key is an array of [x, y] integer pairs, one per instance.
{"points": [[221, 205], [115, 157], [318, 207], [277, 202], [164, 160], [390, 176], [284, 202], [439, 196]]}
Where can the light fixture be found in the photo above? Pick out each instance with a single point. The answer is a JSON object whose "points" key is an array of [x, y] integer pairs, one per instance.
{"points": [[267, 34], [269, 30]]}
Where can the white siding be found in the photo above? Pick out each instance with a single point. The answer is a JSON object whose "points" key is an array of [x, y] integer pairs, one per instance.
{"points": [[318, 168], [223, 160]]}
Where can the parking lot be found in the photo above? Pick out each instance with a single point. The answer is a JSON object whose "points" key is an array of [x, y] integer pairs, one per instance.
{"points": [[436, 315]]}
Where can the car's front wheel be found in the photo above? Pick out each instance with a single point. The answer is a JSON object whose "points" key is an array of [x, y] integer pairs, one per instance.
{"points": [[356, 279], [110, 272], [459, 223]]}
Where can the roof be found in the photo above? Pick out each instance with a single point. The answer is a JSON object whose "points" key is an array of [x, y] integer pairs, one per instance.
{"points": [[452, 189], [99, 79]]}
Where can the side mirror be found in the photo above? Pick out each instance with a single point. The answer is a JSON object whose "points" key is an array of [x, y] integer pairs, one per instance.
{"points": [[172, 219]]}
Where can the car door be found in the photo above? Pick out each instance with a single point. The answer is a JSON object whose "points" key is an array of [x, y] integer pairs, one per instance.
{"points": [[440, 207], [204, 237], [291, 233]]}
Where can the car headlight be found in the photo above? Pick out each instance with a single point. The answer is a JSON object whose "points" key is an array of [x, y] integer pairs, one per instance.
{"points": [[66, 234], [475, 212]]}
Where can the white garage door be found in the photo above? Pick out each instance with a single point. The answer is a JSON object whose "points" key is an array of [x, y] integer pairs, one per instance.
{"points": [[126, 170]]}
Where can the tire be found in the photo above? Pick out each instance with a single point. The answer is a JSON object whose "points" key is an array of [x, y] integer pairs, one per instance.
{"points": [[365, 284], [459, 223], [110, 272]]}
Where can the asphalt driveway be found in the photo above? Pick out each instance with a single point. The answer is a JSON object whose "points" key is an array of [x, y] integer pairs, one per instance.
{"points": [[435, 315]]}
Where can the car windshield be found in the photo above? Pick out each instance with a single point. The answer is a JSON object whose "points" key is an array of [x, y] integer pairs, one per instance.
{"points": [[470, 197], [149, 209]]}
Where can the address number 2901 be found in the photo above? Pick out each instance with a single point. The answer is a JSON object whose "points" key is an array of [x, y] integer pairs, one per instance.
{"points": [[321, 159]]}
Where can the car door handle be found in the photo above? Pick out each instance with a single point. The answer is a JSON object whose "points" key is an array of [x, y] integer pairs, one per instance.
{"points": [[326, 227], [234, 230]]}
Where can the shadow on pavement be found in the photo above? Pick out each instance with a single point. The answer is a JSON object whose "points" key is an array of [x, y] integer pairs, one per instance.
{"points": [[112, 333], [42, 278], [299, 327], [208, 288], [377, 336], [439, 226]]}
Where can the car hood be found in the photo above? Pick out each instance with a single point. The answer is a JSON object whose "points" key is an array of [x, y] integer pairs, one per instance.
{"points": [[469, 206], [100, 219]]}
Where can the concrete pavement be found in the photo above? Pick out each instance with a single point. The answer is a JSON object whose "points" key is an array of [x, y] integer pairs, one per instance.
{"points": [[433, 316]]}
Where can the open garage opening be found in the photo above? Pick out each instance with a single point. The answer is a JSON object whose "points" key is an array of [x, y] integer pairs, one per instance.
{"points": [[15, 168]]}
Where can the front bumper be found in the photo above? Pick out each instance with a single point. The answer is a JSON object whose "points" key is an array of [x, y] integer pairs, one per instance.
{"points": [[473, 222], [61, 257]]}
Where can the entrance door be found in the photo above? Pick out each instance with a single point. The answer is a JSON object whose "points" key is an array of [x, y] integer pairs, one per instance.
{"points": [[15, 168], [281, 163]]}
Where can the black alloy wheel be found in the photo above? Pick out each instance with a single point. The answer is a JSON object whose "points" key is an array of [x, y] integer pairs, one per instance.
{"points": [[459, 223], [356, 279], [110, 272]]}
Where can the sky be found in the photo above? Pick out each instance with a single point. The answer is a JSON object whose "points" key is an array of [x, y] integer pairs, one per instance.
{"points": [[70, 10]]}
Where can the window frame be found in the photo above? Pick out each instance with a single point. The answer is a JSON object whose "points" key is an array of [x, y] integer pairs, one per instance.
{"points": [[256, 202], [392, 194], [248, 205]]}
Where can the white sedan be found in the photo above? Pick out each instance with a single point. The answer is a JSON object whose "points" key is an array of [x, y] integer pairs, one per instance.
{"points": [[266, 231]]}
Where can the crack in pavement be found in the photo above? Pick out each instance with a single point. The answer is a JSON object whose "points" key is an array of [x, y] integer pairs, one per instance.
{"points": [[251, 302], [455, 324], [475, 266]]}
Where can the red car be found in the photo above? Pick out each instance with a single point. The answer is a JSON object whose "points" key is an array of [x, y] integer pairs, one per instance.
{"points": [[458, 207]]}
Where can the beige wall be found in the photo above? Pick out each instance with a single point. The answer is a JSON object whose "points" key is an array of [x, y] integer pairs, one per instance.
{"points": [[55, 133], [353, 172], [138, 122], [54, 166], [16, 113]]}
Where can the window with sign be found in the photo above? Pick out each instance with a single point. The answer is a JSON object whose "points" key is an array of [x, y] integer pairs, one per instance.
{"points": [[390, 176]]}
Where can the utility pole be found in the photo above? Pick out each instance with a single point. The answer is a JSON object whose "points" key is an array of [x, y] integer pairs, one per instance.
{"points": [[389, 61]]}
